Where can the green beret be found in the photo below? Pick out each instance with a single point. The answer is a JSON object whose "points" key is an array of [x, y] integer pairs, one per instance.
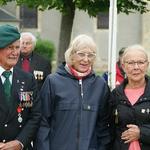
{"points": [[8, 35]]}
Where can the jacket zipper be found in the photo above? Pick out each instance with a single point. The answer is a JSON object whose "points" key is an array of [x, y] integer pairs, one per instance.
{"points": [[79, 115], [81, 88]]}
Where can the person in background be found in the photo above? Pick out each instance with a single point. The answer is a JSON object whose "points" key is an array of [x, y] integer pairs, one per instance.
{"points": [[131, 103], [30, 61], [19, 109], [75, 103], [120, 75]]}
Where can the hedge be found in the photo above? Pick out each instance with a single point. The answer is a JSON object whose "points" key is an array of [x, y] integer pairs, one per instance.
{"points": [[45, 48]]}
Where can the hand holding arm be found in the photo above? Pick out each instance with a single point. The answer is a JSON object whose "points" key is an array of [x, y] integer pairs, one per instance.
{"points": [[131, 134], [12, 145], [2, 145]]}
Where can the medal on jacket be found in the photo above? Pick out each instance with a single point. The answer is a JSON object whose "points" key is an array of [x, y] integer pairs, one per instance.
{"points": [[116, 116], [19, 110], [38, 74], [26, 99]]}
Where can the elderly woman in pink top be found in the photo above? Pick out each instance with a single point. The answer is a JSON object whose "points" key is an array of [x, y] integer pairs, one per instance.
{"points": [[131, 103]]}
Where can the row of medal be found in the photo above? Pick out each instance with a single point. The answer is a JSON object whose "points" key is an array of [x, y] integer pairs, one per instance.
{"points": [[26, 101]]}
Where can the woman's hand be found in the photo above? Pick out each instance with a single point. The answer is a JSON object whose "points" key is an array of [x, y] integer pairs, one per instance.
{"points": [[2, 145], [131, 134], [12, 145]]}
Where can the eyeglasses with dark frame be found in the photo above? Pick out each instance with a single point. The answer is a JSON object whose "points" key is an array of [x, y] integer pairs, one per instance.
{"points": [[140, 63], [82, 55]]}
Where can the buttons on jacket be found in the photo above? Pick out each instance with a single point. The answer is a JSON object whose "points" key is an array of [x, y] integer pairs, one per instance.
{"points": [[5, 125], [145, 110], [86, 107]]}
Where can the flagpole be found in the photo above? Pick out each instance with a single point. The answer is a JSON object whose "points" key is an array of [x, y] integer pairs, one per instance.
{"points": [[112, 44]]}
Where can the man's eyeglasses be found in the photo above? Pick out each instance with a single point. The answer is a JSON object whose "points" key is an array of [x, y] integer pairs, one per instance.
{"points": [[83, 55], [140, 63]]}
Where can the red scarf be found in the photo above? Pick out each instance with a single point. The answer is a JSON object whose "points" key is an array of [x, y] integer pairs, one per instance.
{"points": [[77, 74]]}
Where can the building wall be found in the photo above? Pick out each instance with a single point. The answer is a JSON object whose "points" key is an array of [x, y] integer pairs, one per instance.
{"points": [[49, 24], [146, 30], [10, 7], [131, 29]]}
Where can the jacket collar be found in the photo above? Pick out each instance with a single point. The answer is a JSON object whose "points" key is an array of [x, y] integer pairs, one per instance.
{"points": [[61, 70], [120, 88]]}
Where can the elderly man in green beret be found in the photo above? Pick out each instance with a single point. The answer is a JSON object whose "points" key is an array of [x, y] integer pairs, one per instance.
{"points": [[19, 108]]}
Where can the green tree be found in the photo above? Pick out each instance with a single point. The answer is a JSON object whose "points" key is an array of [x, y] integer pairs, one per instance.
{"points": [[67, 8]]}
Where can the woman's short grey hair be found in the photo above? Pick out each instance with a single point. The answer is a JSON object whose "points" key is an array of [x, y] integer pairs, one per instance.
{"points": [[134, 48], [80, 42], [30, 35]]}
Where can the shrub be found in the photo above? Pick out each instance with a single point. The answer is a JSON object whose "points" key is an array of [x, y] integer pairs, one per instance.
{"points": [[45, 48]]}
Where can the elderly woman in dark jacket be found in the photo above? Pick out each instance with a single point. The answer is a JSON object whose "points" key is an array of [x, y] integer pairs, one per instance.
{"points": [[75, 103], [131, 103]]}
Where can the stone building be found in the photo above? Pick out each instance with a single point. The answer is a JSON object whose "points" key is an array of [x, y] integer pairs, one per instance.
{"points": [[131, 29]]}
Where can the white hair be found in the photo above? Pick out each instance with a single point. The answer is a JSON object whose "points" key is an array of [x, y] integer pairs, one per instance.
{"points": [[135, 48], [30, 35], [80, 42]]}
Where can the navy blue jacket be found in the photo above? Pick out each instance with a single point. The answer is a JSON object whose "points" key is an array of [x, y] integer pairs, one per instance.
{"points": [[75, 113]]}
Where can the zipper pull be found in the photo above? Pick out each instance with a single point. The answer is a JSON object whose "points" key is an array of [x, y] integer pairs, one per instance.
{"points": [[116, 116], [81, 87], [80, 82]]}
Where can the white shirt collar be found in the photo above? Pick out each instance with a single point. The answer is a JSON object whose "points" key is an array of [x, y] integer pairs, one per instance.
{"points": [[3, 78], [2, 70]]}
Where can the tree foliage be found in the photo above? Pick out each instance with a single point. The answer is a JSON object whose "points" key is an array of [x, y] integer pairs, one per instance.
{"points": [[45, 48], [92, 7]]}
